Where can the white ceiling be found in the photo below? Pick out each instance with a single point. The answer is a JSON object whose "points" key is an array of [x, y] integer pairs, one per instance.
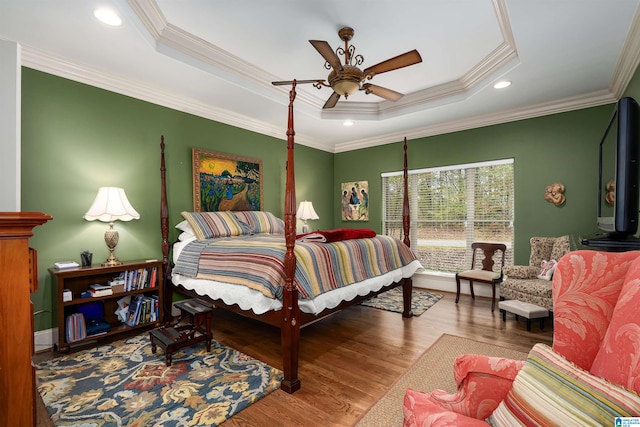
{"points": [[217, 58]]}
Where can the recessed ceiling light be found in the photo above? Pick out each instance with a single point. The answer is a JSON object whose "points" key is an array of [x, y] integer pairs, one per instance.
{"points": [[108, 17], [348, 123], [502, 84]]}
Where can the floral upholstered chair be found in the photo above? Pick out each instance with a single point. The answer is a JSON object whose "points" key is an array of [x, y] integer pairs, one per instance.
{"points": [[525, 282], [590, 376]]}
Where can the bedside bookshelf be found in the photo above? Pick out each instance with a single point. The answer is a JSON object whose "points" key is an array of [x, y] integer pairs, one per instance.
{"points": [[79, 280]]}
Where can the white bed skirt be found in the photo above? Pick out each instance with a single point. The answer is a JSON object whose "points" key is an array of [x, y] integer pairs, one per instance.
{"points": [[249, 299]]}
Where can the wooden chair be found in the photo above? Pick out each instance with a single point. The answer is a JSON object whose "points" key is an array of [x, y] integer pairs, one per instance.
{"points": [[486, 274]]}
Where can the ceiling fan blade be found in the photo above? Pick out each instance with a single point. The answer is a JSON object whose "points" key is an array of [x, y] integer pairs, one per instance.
{"points": [[332, 101], [382, 92], [327, 53], [300, 82], [400, 61]]}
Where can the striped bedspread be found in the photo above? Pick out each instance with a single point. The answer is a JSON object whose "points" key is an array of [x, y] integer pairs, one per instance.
{"points": [[258, 262]]}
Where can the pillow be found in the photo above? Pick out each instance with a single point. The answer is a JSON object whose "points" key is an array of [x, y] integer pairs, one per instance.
{"points": [[261, 222], [184, 226], [186, 235], [547, 269], [550, 391], [208, 225]]}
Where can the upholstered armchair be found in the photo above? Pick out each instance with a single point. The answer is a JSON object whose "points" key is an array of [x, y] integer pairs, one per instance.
{"points": [[589, 376], [522, 282]]}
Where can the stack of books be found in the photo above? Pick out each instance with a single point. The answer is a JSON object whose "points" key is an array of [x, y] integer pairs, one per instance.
{"points": [[98, 290], [76, 327]]}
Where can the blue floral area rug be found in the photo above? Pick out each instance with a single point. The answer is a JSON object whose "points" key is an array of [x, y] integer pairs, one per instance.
{"points": [[421, 301], [124, 384]]}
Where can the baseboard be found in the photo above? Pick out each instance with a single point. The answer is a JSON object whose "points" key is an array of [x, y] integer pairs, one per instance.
{"points": [[45, 340], [446, 282]]}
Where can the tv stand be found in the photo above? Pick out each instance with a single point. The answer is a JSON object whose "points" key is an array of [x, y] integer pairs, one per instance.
{"points": [[613, 243]]}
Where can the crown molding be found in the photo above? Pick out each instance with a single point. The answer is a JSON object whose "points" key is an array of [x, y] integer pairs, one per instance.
{"points": [[628, 60], [187, 47], [548, 108], [172, 37], [62, 67]]}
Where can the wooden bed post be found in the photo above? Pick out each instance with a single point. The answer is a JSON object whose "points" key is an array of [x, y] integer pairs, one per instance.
{"points": [[407, 286], [164, 227], [290, 329]]}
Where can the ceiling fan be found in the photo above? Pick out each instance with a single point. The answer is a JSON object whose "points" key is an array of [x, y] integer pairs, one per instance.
{"points": [[346, 79]]}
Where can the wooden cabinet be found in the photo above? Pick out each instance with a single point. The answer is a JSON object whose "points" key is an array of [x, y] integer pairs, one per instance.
{"points": [[79, 280], [18, 278]]}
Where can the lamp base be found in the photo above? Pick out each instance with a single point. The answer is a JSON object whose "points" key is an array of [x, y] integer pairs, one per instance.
{"points": [[111, 238], [112, 261]]}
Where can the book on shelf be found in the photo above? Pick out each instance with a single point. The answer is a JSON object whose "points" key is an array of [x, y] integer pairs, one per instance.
{"points": [[155, 304], [154, 277], [101, 292], [134, 310], [99, 287], [135, 279], [76, 328], [141, 309]]}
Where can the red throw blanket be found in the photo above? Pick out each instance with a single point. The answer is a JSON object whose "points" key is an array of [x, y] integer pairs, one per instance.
{"points": [[336, 235]]}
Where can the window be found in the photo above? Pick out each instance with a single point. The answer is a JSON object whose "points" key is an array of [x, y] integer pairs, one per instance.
{"points": [[451, 207]]}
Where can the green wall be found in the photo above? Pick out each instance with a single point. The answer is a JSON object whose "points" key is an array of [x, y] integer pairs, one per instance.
{"points": [[557, 148], [76, 138]]}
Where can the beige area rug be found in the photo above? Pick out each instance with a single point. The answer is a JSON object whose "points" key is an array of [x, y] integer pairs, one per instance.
{"points": [[432, 370]]}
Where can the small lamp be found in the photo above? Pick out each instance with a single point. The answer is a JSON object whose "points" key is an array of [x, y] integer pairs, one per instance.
{"points": [[111, 204], [306, 212]]}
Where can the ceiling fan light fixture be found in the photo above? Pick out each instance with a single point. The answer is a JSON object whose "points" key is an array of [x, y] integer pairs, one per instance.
{"points": [[345, 87], [345, 82]]}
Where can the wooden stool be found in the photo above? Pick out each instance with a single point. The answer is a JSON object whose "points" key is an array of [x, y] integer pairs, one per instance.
{"points": [[171, 337], [527, 310]]}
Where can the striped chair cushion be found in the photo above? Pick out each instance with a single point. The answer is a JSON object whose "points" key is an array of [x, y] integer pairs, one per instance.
{"points": [[208, 225], [551, 391], [261, 222]]}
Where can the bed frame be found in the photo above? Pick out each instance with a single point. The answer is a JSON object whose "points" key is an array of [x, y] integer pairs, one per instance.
{"points": [[289, 319]]}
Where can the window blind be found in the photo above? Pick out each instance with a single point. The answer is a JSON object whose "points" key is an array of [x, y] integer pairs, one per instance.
{"points": [[451, 207]]}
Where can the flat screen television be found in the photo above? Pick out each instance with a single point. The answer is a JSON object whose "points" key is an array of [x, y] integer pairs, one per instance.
{"points": [[618, 191]]}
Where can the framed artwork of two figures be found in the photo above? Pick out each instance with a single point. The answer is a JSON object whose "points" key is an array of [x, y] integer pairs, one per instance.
{"points": [[355, 201]]}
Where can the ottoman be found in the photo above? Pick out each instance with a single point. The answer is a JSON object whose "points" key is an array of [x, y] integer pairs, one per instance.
{"points": [[527, 310]]}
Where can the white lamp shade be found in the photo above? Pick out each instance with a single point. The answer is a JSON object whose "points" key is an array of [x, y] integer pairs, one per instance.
{"points": [[111, 204], [305, 211]]}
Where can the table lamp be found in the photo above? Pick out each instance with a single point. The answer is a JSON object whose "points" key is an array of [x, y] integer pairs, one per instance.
{"points": [[111, 204], [306, 212]]}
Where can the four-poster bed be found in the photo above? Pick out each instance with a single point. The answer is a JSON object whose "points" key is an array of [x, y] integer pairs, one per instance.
{"points": [[286, 312]]}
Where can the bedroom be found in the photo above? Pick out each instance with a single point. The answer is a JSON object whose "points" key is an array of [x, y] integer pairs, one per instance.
{"points": [[69, 126]]}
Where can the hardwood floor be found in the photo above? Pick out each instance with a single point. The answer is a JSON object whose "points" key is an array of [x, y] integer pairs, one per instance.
{"points": [[349, 360]]}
